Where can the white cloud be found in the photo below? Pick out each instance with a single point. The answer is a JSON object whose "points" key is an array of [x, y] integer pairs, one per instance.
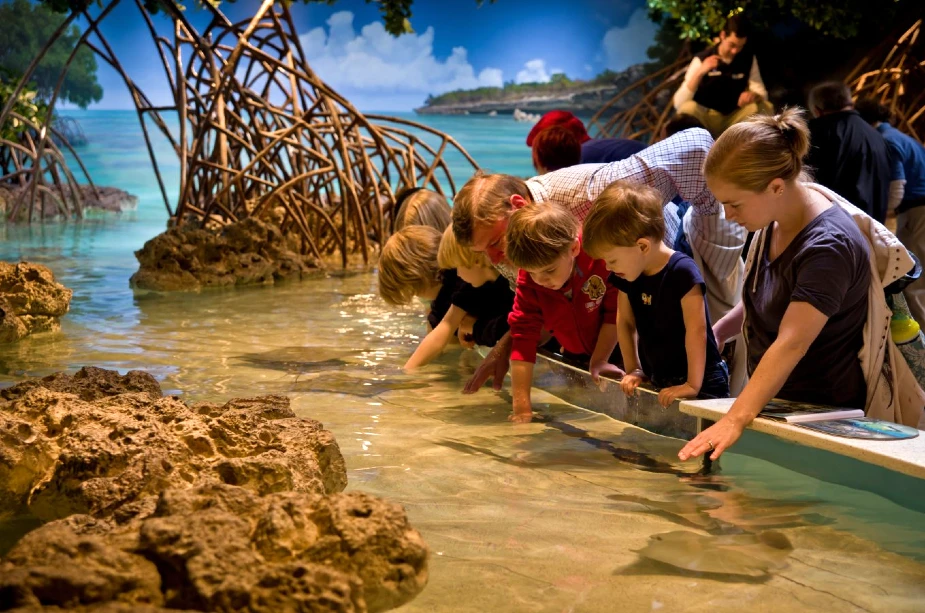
{"points": [[533, 71], [374, 66], [626, 46]]}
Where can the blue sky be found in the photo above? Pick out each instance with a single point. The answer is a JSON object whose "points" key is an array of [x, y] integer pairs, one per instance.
{"points": [[456, 45]]}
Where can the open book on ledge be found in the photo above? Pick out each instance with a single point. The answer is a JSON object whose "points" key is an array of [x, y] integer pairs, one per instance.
{"points": [[801, 412]]}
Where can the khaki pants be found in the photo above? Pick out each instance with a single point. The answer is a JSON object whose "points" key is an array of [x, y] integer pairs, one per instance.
{"points": [[716, 122], [910, 230]]}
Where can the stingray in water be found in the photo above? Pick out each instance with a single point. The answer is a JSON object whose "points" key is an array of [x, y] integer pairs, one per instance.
{"points": [[303, 359], [359, 384], [687, 509], [753, 514], [476, 450], [752, 555], [637, 459], [728, 512]]}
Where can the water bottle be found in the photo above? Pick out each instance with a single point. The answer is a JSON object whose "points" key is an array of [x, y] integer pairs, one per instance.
{"points": [[907, 335]]}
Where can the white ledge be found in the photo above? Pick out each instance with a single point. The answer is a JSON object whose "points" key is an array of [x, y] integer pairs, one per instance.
{"points": [[905, 456]]}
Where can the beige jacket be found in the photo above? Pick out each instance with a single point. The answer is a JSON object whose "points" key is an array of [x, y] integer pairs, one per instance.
{"points": [[893, 393]]}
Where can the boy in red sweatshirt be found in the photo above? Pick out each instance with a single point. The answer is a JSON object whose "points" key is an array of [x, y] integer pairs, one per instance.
{"points": [[561, 289]]}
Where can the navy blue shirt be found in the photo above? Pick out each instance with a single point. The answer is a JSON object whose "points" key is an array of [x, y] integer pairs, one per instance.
{"points": [[827, 265], [490, 304], [907, 163], [606, 150], [656, 303], [851, 159]]}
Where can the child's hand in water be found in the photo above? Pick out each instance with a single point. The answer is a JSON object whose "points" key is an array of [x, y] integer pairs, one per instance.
{"points": [[521, 418], [632, 380], [670, 394], [464, 332], [523, 412], [598, 369]]}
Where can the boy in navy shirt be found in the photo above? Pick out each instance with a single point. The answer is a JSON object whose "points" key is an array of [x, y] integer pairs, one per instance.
{"points": [[662, 301]]}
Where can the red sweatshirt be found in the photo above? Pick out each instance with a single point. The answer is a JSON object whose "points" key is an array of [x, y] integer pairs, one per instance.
{"points": [[573, 314]]}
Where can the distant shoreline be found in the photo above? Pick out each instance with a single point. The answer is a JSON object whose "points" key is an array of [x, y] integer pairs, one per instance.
{"points": [[581, 98]]}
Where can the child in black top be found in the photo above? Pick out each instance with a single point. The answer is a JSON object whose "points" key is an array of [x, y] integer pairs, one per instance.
{"points": [[462, 290], [662, 299]]}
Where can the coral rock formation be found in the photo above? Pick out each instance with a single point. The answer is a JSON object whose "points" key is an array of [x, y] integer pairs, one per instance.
{"points": [[247, 252], [223, 548], [30, 300], [156, 505], [104, 444]]}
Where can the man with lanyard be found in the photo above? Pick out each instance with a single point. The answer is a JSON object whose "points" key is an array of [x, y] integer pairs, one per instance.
{"points": [[723, 85], [673, 166]]}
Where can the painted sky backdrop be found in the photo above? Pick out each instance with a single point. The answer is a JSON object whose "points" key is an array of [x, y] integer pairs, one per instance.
{"points": [[456, 45]]}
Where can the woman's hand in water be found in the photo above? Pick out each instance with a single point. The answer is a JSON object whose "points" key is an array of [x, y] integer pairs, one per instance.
{"points": [[716, 439], [632, 380], [464, 332]]}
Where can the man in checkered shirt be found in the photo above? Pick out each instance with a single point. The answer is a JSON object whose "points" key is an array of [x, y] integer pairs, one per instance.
{"points": [[673, 167]]}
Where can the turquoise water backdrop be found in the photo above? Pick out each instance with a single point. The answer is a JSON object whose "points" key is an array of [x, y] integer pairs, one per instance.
{"points": [[95, 257]]}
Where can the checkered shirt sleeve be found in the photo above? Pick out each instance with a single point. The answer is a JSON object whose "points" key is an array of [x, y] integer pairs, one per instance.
{"points": [[673, 166]]}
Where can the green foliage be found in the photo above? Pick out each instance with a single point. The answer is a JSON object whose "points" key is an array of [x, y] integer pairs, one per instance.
{"points": [[26, 29], [668, 41], [701, 20], [66, 6], [27, 104], [396, 14], [605, 78]]}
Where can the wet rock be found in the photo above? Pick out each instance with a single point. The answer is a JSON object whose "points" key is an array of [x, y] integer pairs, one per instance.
{"points": [[223, 548], [31, 300], [90, 383], [110, 199], [91, 199], [57, 565], [249, 252], [105, 445]]}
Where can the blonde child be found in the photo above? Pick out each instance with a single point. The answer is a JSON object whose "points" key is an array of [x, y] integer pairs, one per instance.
{"points": [[662, 322], [463, 292], [560, 289], [417, 206]]}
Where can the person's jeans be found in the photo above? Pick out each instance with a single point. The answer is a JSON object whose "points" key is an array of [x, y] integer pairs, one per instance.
{"points": [[715, 383]]}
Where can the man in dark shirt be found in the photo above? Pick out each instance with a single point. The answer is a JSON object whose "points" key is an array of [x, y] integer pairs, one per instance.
{"points": [[907, 192], [848, 155], [593, 150], [723, 85]]}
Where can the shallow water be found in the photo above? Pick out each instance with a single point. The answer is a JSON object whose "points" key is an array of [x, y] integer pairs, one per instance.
{"points": [[547, 516], [542, 517]]}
